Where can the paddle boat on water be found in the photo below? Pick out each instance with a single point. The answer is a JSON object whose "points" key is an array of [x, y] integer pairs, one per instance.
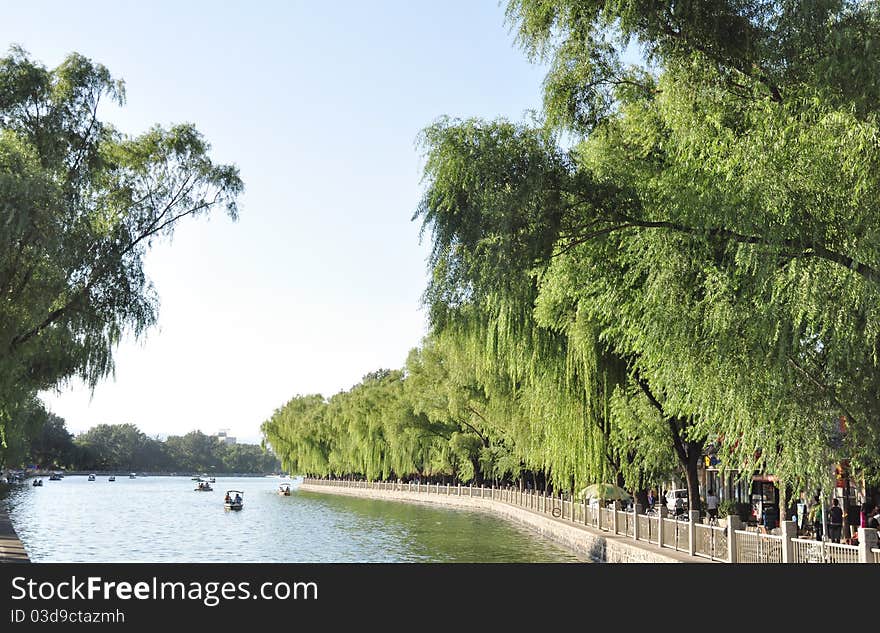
{"points": [[284, 490], [55, 477], [131, 475], [203, 486], [111, 478], [92, 477], [38, 482], [233, 503]]}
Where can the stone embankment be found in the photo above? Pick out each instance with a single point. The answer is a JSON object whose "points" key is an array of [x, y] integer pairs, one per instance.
{"points": [[11, 548]]}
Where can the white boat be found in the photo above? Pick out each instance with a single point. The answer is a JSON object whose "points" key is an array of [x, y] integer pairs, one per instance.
{"points": [[131, 475], [284, 490], [92, 477], [203, 486], [112, 478], [234, 503]]}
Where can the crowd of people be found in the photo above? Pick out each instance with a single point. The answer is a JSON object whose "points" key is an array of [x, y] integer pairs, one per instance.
{"points": [[834, 519], [840, 527]]}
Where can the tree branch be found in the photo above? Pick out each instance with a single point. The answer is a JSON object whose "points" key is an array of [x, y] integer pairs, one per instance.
{"points": [[822, 386]]}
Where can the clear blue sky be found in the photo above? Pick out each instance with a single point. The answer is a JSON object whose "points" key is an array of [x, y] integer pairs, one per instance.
{"points": [[319, 104]]}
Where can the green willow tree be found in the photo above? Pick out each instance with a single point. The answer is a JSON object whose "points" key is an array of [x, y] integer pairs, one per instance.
{"points": [[758, 145], [714, 221], [698, 262], [80, 204], [368, 431]]}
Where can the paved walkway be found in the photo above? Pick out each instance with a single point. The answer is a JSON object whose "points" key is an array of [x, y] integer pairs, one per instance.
{"points": [[11, 548]]}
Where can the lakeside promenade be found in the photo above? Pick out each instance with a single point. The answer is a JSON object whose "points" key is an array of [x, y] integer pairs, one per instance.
{"points": [[11, 548]]}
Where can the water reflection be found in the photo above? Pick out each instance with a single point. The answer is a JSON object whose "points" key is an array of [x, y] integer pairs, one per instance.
{"points": [[162, 519]]}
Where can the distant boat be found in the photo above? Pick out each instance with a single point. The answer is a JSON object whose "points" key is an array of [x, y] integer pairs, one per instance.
{"points": [[55, 477], [92, 477], [203, 486], [38, 482], [131, 475], [284, 490], [111, 478], [234, 503]]}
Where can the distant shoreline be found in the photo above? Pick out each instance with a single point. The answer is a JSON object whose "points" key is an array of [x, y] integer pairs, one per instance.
{"points": [[126, 473]]}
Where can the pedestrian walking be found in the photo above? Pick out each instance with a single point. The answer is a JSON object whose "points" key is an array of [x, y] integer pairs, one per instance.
{"points": [[815, 516], [865, 514], [712, 506], [835, 521], [874, 519]]}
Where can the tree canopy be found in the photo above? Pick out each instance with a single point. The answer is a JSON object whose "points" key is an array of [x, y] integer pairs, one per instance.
{"points": [[80, 205], [124, 447], [682, 251]]}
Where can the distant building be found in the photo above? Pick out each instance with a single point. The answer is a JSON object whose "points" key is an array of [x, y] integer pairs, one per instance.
{"points": [[224, 438]]}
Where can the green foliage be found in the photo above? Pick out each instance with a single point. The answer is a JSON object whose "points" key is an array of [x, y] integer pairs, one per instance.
{"points": [[703, 262], [80, 204], [53, 446], [31, 417], [123, 447], [727, 507]]}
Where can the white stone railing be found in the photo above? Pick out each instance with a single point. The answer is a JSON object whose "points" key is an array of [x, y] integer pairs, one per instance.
{"points": [[711, 542], [754, 547]]}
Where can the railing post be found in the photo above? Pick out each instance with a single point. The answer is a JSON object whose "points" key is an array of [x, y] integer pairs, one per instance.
{"points": [[734, 523], [637, 510], [585, 511], [789, 531], [693, 518], [664, 511], [867, 540], [614, 507]]}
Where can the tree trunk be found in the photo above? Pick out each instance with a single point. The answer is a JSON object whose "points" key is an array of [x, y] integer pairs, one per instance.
{"points": [[693, 454], [478, 476], [783, 503]]}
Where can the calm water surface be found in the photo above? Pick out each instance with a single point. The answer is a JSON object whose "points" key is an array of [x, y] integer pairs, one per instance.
{"points": [[162, 519]]}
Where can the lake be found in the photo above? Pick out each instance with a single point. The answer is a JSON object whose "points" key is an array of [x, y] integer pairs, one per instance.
{"points": [[164, 520]]}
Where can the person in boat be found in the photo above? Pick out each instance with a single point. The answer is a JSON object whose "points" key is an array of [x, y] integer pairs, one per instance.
{"points": [[228, 499], [237, 498]]}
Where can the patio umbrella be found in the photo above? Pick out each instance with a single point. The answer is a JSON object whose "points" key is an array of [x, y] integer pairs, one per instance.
{"points": [[605, 491]]}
